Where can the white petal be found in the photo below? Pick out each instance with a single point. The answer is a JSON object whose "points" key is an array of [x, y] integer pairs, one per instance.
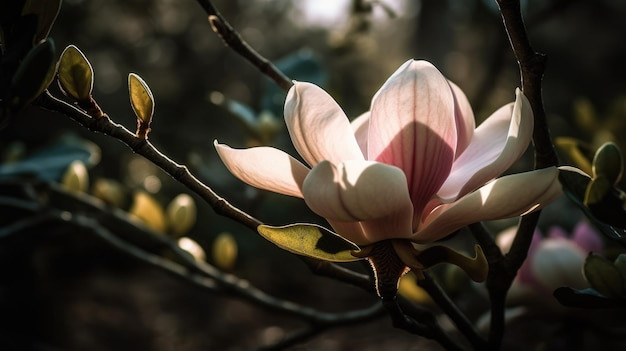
{"points": [[319, 129], [497, 144], [350, 230], [558, 262], [370, 192], [465, 122], [360, 127], [504, 197], [265, 168]]}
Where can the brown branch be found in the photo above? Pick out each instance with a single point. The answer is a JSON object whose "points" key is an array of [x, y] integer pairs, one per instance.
{"points": [[232, 39], [465, 326], [532, 66], [144, 148]]}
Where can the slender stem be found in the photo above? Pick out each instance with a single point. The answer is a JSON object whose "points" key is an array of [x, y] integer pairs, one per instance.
{"points": [[316, 327], [144, 148], [232, 39], [448, 306], [532, 66]]}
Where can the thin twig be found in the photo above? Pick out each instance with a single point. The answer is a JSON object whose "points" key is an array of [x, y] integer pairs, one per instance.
{"points": [[232, 39], [316, 327], [144, 148], [217, 282], [448, 306]]}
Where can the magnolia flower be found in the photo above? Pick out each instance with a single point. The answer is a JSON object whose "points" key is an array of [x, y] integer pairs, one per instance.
{"points": [[553, 261], [413, 167]]}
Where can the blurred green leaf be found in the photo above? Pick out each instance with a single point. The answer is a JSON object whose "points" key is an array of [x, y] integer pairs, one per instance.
{"points": [[52, 162], [597, 190], [620, 264], [141, 98], [574, 152], [587, 298], [46, 12], [310, 240], [604, 277], [75, 74], [34, 74], [303, 65], [609, 163]]}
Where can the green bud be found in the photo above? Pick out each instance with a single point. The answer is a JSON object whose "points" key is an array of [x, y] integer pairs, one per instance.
{"points": [[34, 74], [225, 251], [181, 214], [76, 178], [75, 74], [193, 248], [604, 277], [608, 162]]}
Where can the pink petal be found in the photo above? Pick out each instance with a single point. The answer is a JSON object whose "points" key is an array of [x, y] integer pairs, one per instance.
{"points": [[360, 127], [318, 127], [497, 144], [413, 127], [464, 115], [587, 238], [265, 168], [372, 193], [504, 197]]}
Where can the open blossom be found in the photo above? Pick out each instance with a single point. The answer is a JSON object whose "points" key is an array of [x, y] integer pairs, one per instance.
{"points": [[413, 167]]}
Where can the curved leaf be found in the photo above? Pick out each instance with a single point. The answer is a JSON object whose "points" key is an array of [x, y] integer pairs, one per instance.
{"points": [[46, 12], [610, 224], [75, 74], [34, 74], [587, 298], [141, 98], [310, 240], [604, 277], [608, 162]]}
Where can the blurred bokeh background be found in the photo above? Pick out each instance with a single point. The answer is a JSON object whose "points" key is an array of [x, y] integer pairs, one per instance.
{"points": [[93, 298]]}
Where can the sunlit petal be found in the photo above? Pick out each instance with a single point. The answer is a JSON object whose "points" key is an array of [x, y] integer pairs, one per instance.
{"points": [[370, 192], [497, 144], [465, 122], [504, 197], [265, 168], [318, 127], [360, 127], [413, 127], [350, 230]]}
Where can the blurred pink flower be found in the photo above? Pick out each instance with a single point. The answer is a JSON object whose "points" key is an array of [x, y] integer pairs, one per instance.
{"points": [[553, 261], [413, 167]]}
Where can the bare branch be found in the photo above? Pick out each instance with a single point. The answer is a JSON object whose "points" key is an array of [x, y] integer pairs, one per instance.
{"points": [[232, 39]]}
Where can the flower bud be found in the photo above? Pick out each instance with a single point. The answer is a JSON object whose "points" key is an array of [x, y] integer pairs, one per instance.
{"points": [[193, 248], [608, 162], [181, 214], [225, 251]]}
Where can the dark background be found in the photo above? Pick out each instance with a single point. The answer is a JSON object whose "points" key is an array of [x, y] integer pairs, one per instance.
{"points": [[63, 294]]}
